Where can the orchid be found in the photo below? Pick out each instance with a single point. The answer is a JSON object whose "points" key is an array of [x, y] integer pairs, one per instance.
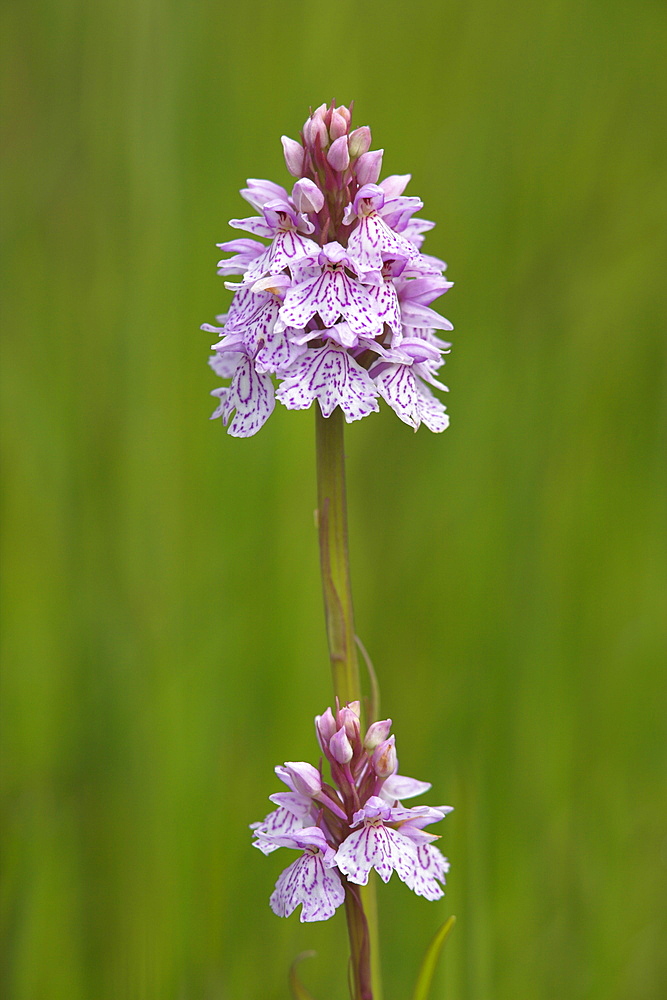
{"points": [[336, 308], [351, 826]]}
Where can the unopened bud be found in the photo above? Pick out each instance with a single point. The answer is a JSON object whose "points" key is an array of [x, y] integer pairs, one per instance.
{"points": [[384, 758], [344, 113], [306, 196], [377, 733], [359, 141], [340, 747], [338, 125], [305, 778], [338, 154], [325, 727], [368, 166], [313, 129], [349, 720], [294, 154]]}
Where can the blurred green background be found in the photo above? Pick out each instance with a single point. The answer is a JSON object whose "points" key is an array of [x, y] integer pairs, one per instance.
{"points": [[163, 635]]}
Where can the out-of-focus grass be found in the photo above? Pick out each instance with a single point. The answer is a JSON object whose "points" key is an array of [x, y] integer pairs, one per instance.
{"points": [[163, 637]]}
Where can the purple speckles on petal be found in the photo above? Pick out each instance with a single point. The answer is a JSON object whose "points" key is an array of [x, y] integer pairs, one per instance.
{"points": [[387, 307], [279, 823], [376, 846], [373, 238], [331, 376], [410, 399], [331, 294], [308, 883], [251, 394], [286, 249], [277, 351], [430, 869]]}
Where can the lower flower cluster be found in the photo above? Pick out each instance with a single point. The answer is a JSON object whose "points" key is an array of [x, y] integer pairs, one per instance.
{"points": [[353, 824]]}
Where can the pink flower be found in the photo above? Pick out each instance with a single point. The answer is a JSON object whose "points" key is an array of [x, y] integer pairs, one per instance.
{"points": [[329, 305], [376, 845], [352, 825]]}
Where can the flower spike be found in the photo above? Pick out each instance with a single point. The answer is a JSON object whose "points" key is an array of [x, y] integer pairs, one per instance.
{"points": [[339, 288], [351, 826]]}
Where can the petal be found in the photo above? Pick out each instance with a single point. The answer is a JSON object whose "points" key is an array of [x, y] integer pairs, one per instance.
{"points": [[379, 847], [355, 855], [254, 224], [395, 185], [429, 869], [307, 882], [245, 252], [423, 290], [287, 248], [415, 315], [299, 805], [259, 192], [225, 364], [398, 386], [279, 823], [251, 395], [279, 352], [398, 786], [397, 212], [331, 376], [372, 238], [222, 403], [387, 307], [432, 412], [332, 294], [256, 322]]}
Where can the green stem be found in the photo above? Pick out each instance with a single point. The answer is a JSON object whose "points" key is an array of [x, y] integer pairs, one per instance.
{"points": [[339, 616], [334, 560]]}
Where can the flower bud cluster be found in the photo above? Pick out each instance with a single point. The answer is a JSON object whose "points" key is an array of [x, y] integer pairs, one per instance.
{"points": [[351, 824], [337, 306]]}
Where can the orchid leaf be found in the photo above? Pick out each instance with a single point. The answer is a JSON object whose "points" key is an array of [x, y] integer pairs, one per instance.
{"points": [[299, 991], [428, 966]]}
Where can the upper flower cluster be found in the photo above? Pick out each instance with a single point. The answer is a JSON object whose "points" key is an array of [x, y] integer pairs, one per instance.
{"points": [[337, 306], [356, 823]]}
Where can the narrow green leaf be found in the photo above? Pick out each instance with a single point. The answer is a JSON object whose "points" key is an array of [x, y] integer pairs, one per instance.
{"points": [[299, 991], [427, 971]]}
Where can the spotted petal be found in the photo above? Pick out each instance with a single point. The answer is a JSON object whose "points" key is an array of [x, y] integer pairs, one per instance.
{"points": [[311, 881], [430, 869], [278, 351], [409, 398], [279, 823], [251, 395], [287, 248], [331, 294], [331, 376], [372, 238], [387, 307], [376, 846]]}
